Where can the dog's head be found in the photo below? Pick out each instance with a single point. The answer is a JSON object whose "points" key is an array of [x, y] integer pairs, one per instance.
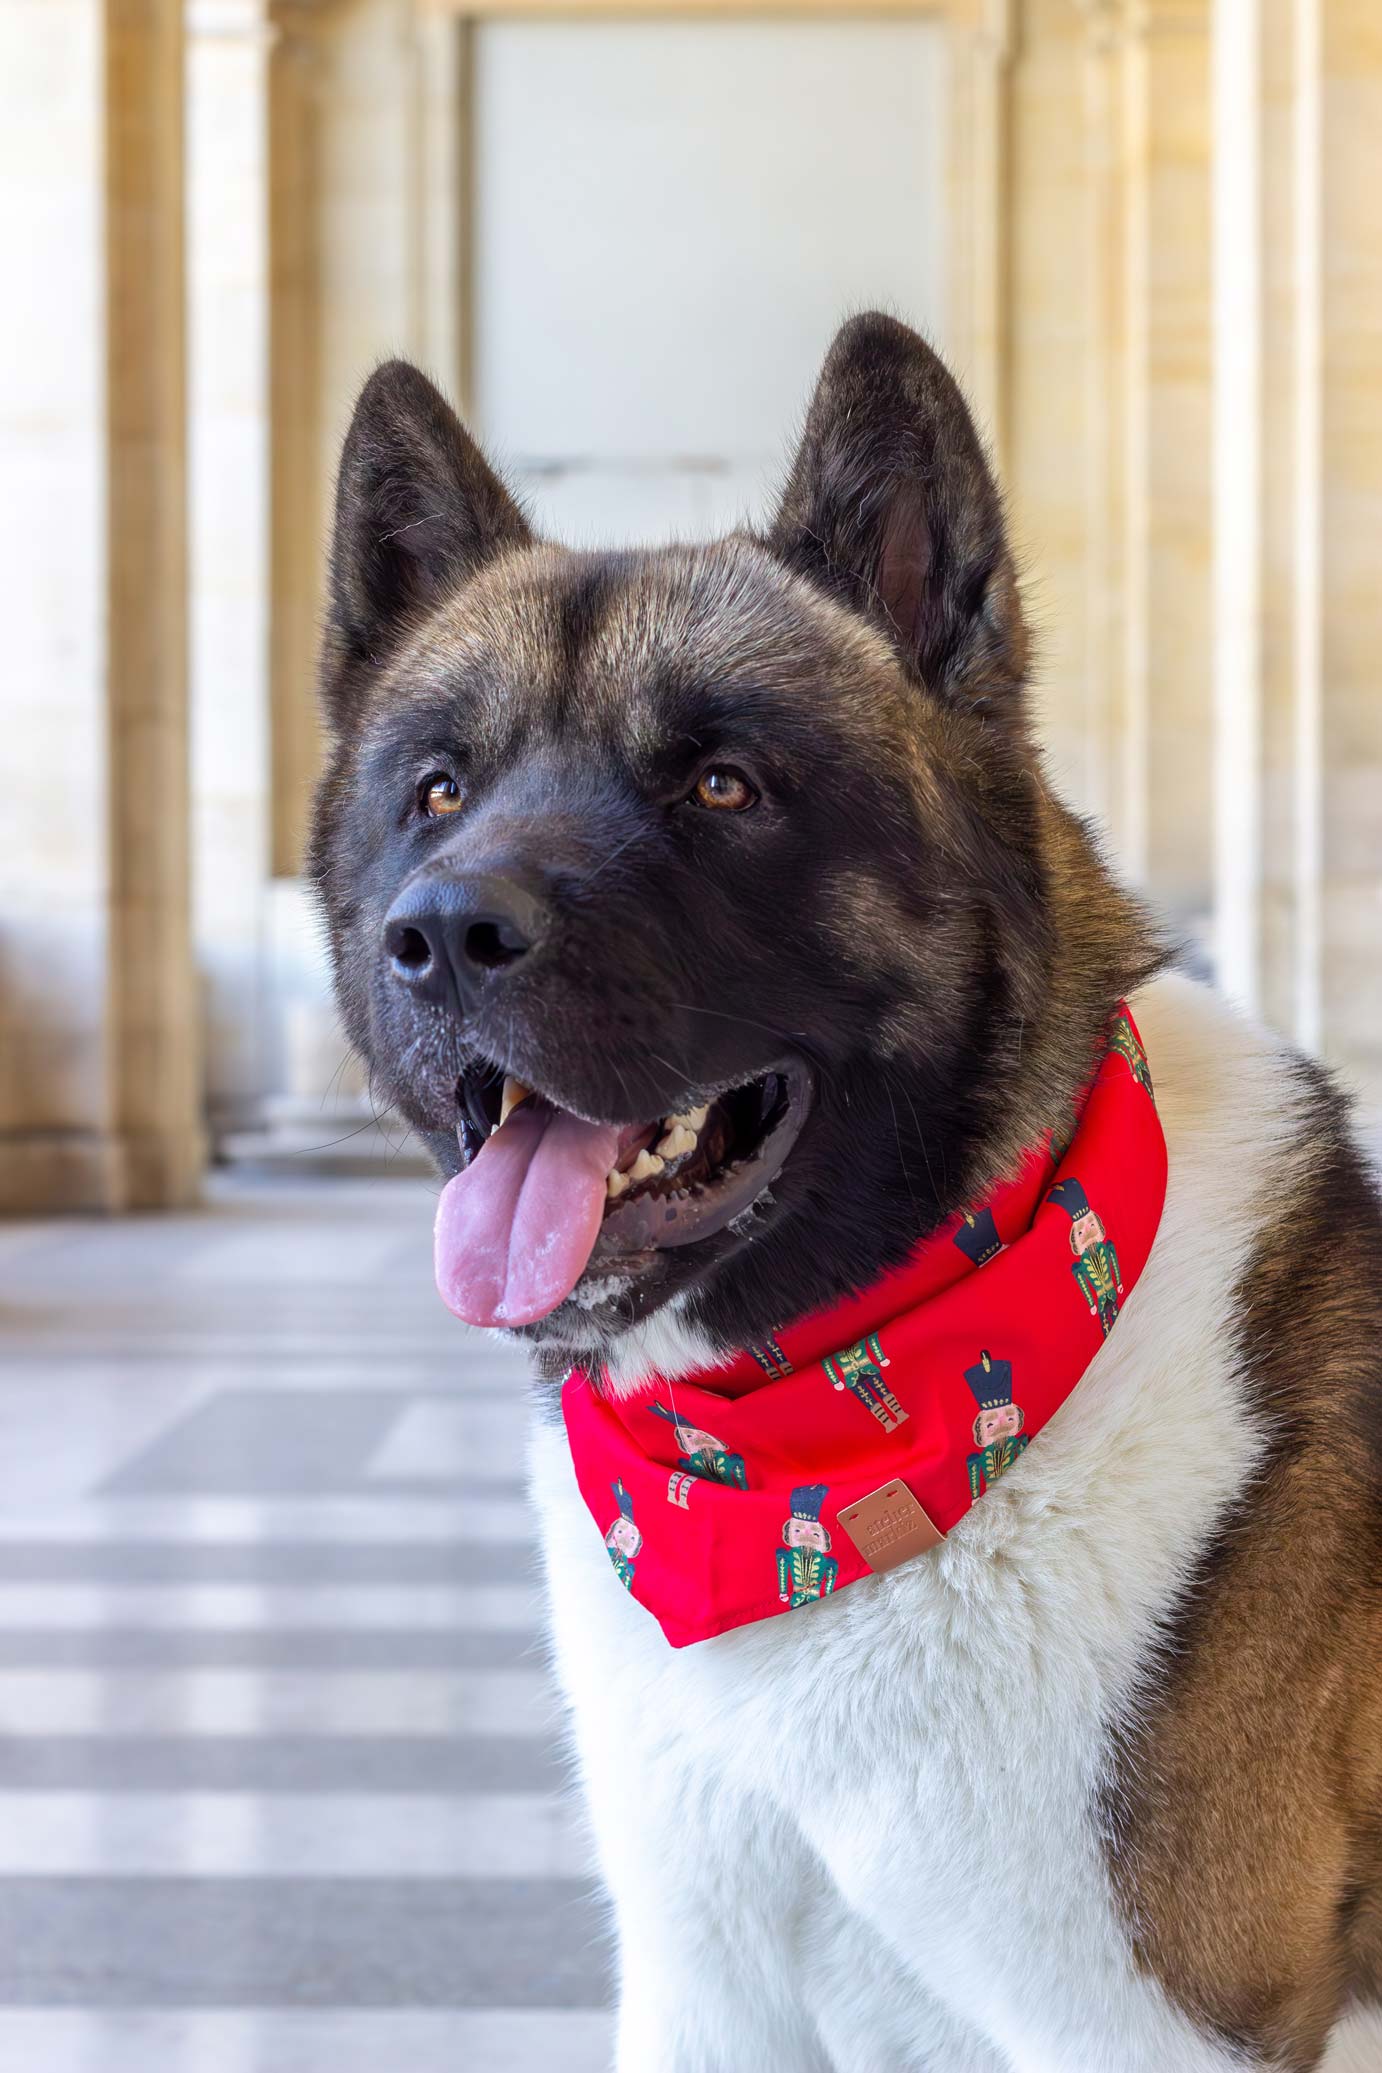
{"points": [[736, 858]]}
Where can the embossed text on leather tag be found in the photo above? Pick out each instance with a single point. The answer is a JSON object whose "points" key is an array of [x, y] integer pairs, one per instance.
{"points": [[889, 1526]]}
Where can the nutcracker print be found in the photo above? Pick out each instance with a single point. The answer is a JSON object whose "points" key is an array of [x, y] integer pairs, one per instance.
{"points": [[859, 1369], [998, 1436], [1096, 1270], [1122, 1039], [978, 1237], [771, 1358], [702, 1454], [624, 1541], [806, 1569]]}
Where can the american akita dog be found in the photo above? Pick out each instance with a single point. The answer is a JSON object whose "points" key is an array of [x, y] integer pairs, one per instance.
{"points": [[707, 912]]}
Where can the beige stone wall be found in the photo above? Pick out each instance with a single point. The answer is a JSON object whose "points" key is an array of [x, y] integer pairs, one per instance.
{"points": [[228, 47], [368, 193], [1194, 445], [1350, 514], [1110, 370], [52, 746], [99, 1035], [1301, 487], [1165, 297]]}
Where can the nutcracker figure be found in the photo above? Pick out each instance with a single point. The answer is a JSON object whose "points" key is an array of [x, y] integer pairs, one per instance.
{"points": [[806, 1568], [702, 1454], [998, 1435], [1122, 1038], [978, 1237], [624, 1541], [859, 1369], [771, 1358], [1096, 1269]]}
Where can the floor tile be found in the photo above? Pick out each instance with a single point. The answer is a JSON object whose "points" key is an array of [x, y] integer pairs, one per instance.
{"points": [[306, 1943], [305, 2041], [317, 1835], [283, 1782]]}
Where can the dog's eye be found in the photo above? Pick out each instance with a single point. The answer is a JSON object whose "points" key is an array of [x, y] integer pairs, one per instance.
{"points": [[726, 791], [439, 794]]}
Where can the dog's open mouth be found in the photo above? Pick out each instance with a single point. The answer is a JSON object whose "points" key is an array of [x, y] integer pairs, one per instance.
{"points": [[546, 1195]]}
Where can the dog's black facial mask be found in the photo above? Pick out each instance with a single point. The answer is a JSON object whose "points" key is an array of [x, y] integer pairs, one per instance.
{"points": [[749, 828]]}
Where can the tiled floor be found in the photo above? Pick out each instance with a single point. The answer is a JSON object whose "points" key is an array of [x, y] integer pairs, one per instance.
{"points": [[280, 1789]]}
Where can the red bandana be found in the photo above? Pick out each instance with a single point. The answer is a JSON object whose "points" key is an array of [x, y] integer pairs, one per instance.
{"points": [[725, 1497]]}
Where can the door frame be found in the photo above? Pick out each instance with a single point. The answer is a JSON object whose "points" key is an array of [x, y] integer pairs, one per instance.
{"points": [[980, 39]]}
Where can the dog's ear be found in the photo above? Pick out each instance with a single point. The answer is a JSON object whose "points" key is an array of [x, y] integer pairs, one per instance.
{"points": [[891, 507], [418, 509]]}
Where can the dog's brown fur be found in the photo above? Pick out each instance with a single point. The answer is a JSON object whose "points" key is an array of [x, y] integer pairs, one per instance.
{"points": [[948, 971], [1246, 1818]]}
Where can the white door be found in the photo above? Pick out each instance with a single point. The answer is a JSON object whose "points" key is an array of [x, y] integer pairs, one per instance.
{"points": [[671, 218]]}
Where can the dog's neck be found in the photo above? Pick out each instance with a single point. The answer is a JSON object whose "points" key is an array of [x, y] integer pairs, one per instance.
{"points": [[1103, 945], [668, 1344]]}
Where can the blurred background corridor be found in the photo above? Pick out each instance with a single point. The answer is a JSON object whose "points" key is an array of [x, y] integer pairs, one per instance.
{"points": [[281, 1781], [280, 1789]]}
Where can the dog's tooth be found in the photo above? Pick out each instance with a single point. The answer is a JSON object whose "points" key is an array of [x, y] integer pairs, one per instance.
{"points": [[515, 1094], [692, 1119], [645, 1166], [679, 1139], [615, 1184]]}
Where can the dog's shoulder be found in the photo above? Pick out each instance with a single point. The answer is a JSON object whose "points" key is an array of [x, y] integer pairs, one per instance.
{"points": [[1243, 1807]]}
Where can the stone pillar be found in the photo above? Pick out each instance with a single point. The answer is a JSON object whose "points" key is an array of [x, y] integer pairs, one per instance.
{"points": [[368, 206], [98, 1020], [1108, 415], [228, 426], [366, 226], [1047, 403], [1342, 350], [297, 502], [980, 118], [1166, 771], [1237, 498], [1299, 502], [443, 60], [1283, 919]]}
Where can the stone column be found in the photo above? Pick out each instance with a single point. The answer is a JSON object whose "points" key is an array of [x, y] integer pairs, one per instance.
{"points": [[368, 203], [1237, 498], [1299, 854], [98, 1020], [297, 501], [1344, 387], [1047, 401], [980, 117], [1282, 924], [228, 425], [443, 60], [1108, 417], [1166, 772], [367, 225]]}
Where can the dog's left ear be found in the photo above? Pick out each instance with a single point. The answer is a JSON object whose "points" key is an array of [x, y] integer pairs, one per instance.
{"points": [[891, 507], [418, 511]]}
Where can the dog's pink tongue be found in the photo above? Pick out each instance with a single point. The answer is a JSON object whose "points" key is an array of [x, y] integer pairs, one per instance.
{"points": [[515, 1230]]}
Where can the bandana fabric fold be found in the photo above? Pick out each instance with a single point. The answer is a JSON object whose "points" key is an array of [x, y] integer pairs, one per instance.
{"points": [[859, 1436]]}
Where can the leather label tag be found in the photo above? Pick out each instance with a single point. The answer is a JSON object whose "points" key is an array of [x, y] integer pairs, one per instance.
{"points": [[889, 1526]]}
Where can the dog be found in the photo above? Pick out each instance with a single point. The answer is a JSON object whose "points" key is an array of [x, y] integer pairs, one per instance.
{"points": [[737, 862]]}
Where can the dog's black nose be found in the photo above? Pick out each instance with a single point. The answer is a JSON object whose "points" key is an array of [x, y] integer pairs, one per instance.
{"points": [[447, 938]]}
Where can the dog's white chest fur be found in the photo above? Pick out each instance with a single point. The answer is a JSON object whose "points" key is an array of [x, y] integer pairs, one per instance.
{"points": [[864, 1836]]}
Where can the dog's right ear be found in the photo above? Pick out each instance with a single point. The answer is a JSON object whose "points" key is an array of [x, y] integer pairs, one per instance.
{"points": [[892, 509], [418, 509]]}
